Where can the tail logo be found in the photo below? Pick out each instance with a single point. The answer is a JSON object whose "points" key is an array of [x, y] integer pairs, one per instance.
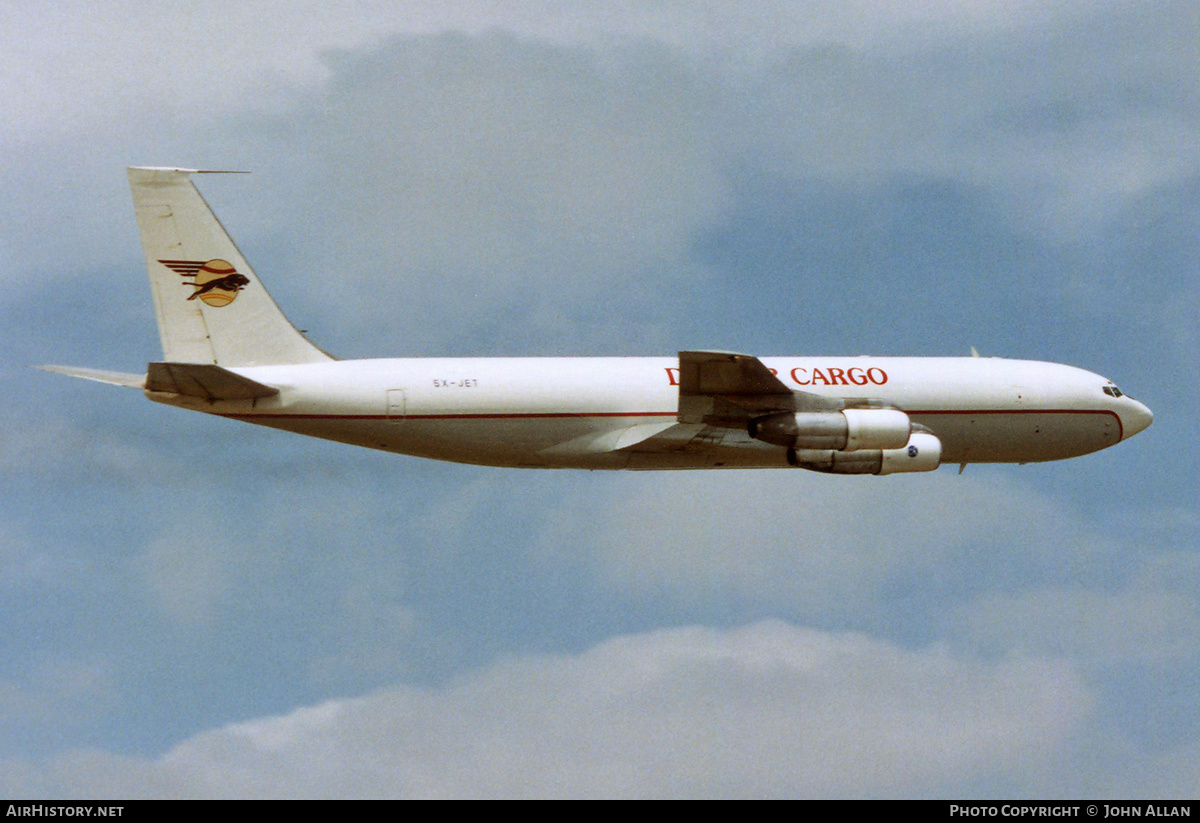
{"points": [[216, 282]]}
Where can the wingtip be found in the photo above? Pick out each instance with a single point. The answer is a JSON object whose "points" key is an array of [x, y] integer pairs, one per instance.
{"points": [[113, 378], [178, 170]]}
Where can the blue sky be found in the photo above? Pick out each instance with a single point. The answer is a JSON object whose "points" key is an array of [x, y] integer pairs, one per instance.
{"points": [[194, 607]]}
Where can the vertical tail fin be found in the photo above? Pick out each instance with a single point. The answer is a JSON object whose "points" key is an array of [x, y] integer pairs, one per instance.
{"points": [[211, 307]]}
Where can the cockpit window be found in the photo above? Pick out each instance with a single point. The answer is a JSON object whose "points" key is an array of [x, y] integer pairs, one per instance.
{"points": [[1112, 391]]}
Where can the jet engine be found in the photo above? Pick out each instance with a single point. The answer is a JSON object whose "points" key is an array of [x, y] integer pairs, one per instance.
{"points": [[846, 430], [922, 453]]}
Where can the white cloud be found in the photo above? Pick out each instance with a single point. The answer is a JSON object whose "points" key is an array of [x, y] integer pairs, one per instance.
{"points": [[47, 445], [770, 709], [1059, 136], [189, 573], [370, 631], [496, 180], [819, 543], [1154, 619], [57, 692], [118, 60], [528, 177], [553, 165], [833, 89]]}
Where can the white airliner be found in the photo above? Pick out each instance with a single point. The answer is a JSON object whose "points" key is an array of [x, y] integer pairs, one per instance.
{"points": [[229, 351]]}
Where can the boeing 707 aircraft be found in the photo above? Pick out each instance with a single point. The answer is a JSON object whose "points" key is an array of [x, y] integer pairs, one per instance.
{"points": [[229, 351]]}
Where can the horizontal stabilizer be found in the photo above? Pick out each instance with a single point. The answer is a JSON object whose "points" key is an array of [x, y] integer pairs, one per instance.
{"points": [[205, 381], [115, 378]]}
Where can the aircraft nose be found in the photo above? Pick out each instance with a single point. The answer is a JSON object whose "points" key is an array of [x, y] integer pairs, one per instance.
{"points": [[1136, 418]]}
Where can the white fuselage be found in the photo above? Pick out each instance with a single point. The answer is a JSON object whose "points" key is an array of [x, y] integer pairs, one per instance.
{"points": [[574, 412]]}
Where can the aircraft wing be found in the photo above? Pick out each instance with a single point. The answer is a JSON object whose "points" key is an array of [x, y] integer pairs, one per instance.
{"points": [[726, 390], [685, 437], [719, 394]]}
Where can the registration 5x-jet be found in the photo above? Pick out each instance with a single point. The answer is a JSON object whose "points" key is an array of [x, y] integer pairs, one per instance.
{"points": [[229, 351]]}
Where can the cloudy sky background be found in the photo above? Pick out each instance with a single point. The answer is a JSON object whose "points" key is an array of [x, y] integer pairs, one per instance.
{"points": [[196, 607]]}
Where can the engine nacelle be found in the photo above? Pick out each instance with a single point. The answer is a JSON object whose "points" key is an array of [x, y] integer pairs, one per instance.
{"points": [[876, 429], [846, 430], [922, 453]]}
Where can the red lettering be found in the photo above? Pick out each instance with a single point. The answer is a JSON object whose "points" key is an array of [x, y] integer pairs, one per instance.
{"points": [[672, 376], [832, 376], [774, 372]]}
